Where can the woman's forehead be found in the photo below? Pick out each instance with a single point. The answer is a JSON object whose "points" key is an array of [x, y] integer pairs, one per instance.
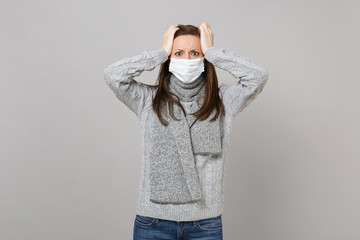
{"points": [[187, 42]]}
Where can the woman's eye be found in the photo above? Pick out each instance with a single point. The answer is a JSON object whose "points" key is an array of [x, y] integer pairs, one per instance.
{"points": [[178, 53]]}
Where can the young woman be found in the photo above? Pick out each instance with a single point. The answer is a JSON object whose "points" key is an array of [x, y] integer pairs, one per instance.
{"points": [[185, 123]]}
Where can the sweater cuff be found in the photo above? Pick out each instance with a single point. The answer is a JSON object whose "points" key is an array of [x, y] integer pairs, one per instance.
{"points": [[162, 55], [211, 52]]}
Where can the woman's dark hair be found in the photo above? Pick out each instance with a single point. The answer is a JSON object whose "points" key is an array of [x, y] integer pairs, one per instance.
{"points": [[212, 99]]}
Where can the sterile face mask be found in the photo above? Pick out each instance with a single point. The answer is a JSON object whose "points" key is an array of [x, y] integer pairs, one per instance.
{"points": [[187, 70]]}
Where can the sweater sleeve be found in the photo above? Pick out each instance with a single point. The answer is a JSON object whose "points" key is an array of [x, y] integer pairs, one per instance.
{"points": [[120, 75], [252, 78]]}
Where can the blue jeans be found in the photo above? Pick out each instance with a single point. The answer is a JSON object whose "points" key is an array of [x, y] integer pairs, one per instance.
{"points": [[160, 229]]}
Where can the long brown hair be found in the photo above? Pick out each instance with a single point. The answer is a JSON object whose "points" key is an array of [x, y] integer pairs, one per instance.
{"points": [[212, 99]]}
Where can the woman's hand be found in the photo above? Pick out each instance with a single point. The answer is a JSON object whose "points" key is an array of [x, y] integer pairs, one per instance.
{"points": [[206, 36], [168, 38]]}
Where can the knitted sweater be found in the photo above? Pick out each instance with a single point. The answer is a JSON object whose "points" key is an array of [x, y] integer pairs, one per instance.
{"points": [[251, 79]]}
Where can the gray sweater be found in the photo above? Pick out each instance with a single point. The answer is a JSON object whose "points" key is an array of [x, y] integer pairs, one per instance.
{"points": [[251, 79]]}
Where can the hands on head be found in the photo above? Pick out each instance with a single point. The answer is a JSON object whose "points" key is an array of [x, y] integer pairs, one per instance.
{"points": [[206, 37]]}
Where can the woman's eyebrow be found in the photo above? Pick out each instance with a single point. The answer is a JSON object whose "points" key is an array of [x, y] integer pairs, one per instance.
{"points": [[191, 49]]}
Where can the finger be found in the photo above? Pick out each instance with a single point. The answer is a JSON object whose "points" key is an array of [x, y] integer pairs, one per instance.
{"points": [[172, 26]]}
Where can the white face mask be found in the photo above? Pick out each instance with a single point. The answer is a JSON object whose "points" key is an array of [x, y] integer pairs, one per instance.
{"points": [[187, 70]]}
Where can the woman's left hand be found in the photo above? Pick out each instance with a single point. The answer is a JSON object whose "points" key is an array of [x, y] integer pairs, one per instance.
{"points": [[206, 36]]}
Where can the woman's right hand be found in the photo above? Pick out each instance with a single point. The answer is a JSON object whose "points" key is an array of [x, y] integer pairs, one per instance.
{"points": [[168, 38]]}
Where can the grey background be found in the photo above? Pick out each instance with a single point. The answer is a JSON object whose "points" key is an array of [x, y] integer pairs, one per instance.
{"points": [[71, 151]]}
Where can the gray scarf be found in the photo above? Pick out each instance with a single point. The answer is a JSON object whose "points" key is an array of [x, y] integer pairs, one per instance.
{"points": [[173, 174]]}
